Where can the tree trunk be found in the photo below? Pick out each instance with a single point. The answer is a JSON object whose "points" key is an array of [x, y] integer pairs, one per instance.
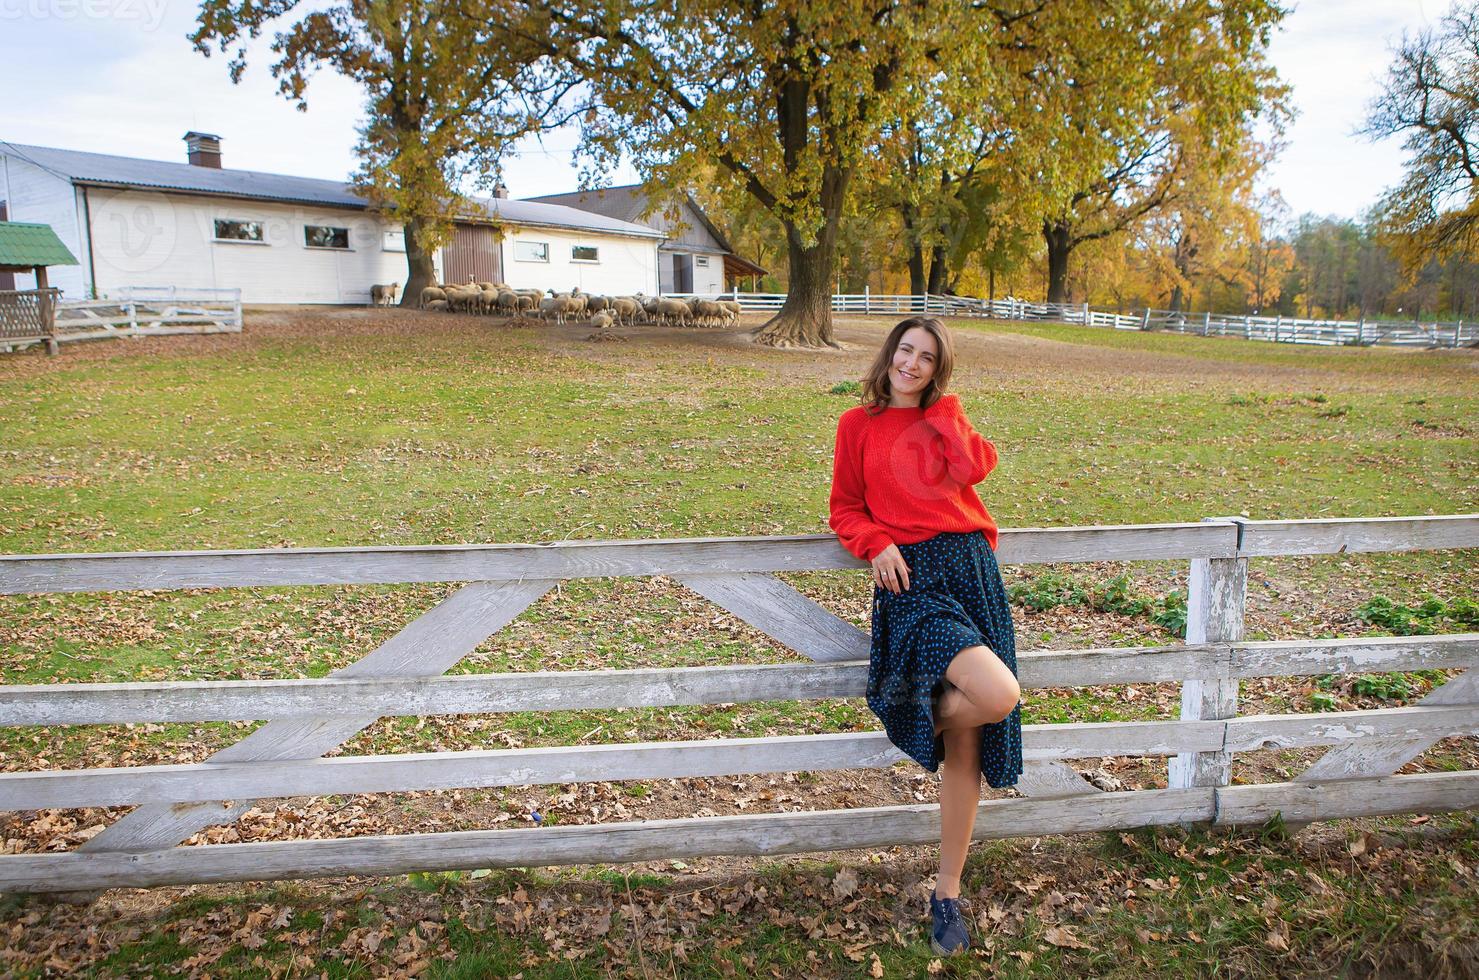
{"points": [[1059, 238], [939, 270], [1177, 299], [421, 272], [805, 319], [917, 280]]}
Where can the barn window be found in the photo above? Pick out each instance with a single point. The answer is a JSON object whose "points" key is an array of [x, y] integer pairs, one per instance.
{"points": [[584, 253], [325, 236], [393, 241], [531, 251], [231, 230], [701, 261]]}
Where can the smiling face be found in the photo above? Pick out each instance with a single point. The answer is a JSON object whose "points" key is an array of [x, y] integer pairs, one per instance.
{"points": [[912, 367]]}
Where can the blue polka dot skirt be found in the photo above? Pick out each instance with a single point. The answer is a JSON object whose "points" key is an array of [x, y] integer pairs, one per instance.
{"points": [[955, 600]]}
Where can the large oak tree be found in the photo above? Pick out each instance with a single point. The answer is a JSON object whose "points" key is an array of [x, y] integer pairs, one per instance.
{"points": [[441, 102], [1184, 75], [788, 99]]}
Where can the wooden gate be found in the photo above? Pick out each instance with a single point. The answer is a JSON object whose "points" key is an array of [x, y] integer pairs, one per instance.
{"points": [[472, 255]]}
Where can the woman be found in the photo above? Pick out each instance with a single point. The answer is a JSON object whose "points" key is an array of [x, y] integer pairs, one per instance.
{"points": [[942, 676]]}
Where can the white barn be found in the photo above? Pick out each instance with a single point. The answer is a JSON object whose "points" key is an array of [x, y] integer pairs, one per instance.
{"points": [[284, 239], [694, 258]]}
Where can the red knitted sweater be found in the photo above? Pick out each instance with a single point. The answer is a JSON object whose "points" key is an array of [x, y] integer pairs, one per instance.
{"points": [[907, 474]]}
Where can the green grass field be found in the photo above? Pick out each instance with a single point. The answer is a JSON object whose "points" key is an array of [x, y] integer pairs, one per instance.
{"points": [[377, 427]]}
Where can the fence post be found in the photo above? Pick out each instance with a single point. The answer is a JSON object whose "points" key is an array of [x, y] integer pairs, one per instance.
{"points": [[1458, 328], [1145, 319], [1086, 315], [1278, 322], [1215, 599], [867, 299], [48, 301], [1247, 327]]}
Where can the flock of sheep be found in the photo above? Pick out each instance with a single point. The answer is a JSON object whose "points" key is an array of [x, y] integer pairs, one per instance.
{"points": [[601, 311]]}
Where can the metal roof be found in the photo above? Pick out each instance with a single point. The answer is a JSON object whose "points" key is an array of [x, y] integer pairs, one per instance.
{"points": [[628, 201], [30, 245], [102, 169], [625, 203], [557, 216]]}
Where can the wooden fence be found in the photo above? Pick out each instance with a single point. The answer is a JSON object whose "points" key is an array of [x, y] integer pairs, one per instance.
{"points": [[309, 717], [1280, 329], [28, 316], [150, 312], [134, 312]]}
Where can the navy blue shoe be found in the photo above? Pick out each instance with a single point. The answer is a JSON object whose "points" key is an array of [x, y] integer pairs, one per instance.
{"points": [[949, 935]]}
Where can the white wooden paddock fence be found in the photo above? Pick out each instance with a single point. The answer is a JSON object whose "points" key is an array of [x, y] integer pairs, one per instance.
{"points": [[1280, 329], [307, 718], [144, 311]]}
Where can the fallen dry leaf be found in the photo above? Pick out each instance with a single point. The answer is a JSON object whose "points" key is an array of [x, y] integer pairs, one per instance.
{"points": [[1064, 938]]}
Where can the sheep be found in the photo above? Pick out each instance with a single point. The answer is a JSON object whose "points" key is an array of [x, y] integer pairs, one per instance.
{"points": [[601, 320], [597, 303], [732, 309], [626, 308], [384, 295], [668, 310], [707, 311], [557, 306], [507, 302], [431, 294], [436, 306], [464, 298], [489, 300], [578, 302]]}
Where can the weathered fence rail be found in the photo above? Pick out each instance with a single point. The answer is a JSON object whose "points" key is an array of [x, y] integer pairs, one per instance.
{"points": [[1280, 329], [133, 312], [140, 312], [307, 718]]}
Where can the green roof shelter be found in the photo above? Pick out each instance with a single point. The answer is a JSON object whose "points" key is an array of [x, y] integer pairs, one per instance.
{"points": [[26, 247], [27, 316]]}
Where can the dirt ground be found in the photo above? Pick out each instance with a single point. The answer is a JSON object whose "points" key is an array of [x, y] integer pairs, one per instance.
{"points": [[1000, 355]]}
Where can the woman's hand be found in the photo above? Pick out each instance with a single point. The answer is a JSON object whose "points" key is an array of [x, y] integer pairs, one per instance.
{"points": [[889, 570]]}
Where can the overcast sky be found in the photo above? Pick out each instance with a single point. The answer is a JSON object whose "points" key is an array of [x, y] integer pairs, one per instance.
{"points": [[118, 76]]}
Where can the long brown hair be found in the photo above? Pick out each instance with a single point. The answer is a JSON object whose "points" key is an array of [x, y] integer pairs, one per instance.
{"points": [[876, 388]]}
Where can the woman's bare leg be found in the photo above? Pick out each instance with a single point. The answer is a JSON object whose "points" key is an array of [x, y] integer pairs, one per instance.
{"points": [[983, 692], [960, 793]]}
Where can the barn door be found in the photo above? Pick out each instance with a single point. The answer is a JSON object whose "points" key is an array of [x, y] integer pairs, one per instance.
{"points": [[472, 255]]}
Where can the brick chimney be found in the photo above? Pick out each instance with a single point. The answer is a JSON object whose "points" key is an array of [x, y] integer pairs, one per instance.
{"points": [[500, 191], [205, 149]]}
